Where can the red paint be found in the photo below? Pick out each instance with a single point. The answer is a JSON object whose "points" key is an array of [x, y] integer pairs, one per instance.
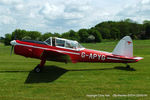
{"points": [[129, 42], [53, 53]]}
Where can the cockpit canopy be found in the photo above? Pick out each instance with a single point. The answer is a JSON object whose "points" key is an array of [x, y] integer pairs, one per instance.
{"points": [[59, 42]]}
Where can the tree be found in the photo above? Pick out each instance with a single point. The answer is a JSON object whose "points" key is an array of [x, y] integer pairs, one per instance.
{"points": [[124, 28], [73, 35], [56, 35], [65, 35], [91, 38], [146, 22], [7, 39], [128, 20], [26, 38], [2, 39], [96, 34], [83, 34], [115, 33], [35, 35], [19, 34], [147, 31], [46, 36]]}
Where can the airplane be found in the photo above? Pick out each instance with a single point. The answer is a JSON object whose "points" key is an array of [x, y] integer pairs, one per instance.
{"points": [[64, 50]]}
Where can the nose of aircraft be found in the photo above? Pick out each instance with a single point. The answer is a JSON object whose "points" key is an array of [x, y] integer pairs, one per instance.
{"points": [[13, 42]]}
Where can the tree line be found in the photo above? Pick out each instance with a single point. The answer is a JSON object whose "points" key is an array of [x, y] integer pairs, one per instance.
{"points": [[113, 30]]}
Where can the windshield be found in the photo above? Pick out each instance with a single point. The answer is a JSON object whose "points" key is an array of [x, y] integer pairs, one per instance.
{"points": [[73, 44], [48, 41], [63, 43]]}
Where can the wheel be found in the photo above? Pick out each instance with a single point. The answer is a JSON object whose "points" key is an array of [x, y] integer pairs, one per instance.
{"points": [[128, 66], [37, 69]]}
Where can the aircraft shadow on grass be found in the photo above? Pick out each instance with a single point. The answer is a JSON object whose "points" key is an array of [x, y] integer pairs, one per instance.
{"points": [[52, 73]]}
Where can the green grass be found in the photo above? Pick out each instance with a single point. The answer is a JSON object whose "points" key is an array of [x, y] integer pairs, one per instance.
{"points": [[61, 81]]}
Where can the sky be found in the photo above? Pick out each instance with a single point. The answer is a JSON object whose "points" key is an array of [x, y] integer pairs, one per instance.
{"points": [[63, 15]]}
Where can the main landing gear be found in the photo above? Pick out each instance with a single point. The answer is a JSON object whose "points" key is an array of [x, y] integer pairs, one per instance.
{"points": [[40, 66]]}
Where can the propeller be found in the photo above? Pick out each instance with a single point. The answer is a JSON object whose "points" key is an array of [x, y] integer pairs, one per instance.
{"points": [[15, 36], [11, 50], [13, 43]]}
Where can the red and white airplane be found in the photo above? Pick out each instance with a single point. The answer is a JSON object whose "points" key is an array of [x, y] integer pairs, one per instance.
{"points": [[63, 50]]}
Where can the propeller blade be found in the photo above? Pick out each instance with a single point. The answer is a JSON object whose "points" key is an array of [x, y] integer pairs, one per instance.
{"points": [[13, 43], [15, 36], [12, 48]]}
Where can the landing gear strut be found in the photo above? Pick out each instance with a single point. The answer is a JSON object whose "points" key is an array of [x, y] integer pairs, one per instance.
{"points": [[40, 66], [127, 66]]}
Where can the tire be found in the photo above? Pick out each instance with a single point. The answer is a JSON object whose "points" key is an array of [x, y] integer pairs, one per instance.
{"points": [[37, 69]]}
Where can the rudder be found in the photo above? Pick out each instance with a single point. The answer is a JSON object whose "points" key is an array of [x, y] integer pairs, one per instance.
{"points": [[124, 47]]}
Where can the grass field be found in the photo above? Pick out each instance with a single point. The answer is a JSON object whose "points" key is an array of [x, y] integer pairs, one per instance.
{"points": [[81, 81]]}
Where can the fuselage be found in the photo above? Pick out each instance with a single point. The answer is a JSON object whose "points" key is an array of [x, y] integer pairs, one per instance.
{"points": [[34, 49]]}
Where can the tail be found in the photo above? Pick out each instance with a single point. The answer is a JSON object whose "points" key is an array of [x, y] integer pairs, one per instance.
{"points": [[124, 47]]}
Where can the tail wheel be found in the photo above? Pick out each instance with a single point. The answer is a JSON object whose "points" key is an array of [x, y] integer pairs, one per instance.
{"points": [[128, 66]]}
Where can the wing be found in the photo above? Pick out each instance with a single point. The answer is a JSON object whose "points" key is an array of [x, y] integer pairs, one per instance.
{"points": [[55, 56]]}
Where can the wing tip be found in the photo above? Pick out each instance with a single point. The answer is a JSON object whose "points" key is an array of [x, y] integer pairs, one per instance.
{"points": [[138, 58]]}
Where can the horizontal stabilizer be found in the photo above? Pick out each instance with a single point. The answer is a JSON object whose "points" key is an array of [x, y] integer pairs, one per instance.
{"points": [[138, 58]]}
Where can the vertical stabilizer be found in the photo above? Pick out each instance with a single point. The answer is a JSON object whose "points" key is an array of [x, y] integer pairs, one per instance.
{"points": [[124, 47]]}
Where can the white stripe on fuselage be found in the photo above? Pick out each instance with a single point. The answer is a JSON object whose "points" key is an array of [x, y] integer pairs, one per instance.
{"points": [[47, 49], [120, 59], [113, 58]]}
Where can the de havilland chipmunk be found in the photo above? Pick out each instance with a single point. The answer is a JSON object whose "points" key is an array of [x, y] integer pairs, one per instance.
{"points": [[64, 50]]}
